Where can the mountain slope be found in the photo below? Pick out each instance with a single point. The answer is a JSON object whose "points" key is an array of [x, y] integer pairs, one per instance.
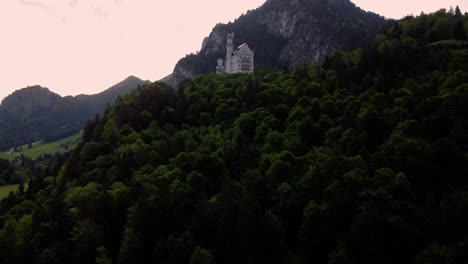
{"points": [[361, 159], [286, 33], [109, 95], [35, 113]]}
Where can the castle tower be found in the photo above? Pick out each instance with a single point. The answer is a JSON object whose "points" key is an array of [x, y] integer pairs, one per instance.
{"points": [[229, 50]]}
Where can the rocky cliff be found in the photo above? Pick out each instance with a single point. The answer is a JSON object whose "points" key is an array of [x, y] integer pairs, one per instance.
{"points": [[285, 33]]}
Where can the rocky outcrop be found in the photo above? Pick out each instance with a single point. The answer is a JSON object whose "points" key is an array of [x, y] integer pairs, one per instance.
{"points": [[286, 33]]}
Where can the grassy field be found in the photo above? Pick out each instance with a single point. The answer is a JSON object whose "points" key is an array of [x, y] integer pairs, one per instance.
{"points": [[5, 190], [38, 148], [6, 155]]}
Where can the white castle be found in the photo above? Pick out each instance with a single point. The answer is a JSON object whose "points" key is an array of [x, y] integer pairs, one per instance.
{"points": [[240, 60]]}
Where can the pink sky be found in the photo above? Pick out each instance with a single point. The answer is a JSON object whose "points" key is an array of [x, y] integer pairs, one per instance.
{"points": [[86, 46], [401, 8]]}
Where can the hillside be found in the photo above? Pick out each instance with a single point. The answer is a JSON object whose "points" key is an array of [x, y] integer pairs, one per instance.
{"points": [[35, 113], [285, 33], [360, 159], [39, 148]]}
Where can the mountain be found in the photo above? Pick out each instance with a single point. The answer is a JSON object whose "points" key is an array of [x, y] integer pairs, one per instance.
{"points": [[35, 113], [285, 33], [360, 159], [109, 95]]}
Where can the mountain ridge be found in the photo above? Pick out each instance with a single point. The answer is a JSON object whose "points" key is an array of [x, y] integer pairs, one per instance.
{"points": [[36, 113], [131, 78]]}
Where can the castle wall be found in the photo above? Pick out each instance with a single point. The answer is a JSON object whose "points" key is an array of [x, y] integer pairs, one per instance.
{"points": [[242, 63]]}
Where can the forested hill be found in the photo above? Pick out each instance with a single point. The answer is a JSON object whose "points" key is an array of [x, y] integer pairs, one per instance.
{"points": [[286, 33], [361, 159], [35, 113]]}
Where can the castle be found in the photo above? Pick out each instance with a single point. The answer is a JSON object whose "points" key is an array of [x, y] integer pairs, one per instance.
{"points": [[240, 60]]}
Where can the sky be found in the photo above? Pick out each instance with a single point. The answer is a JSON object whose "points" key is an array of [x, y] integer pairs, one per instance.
{"points": [[86, 46], [400, 8]]}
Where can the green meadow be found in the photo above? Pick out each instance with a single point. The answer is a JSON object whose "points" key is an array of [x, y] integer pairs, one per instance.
{"points": [[39, 148], [5, 190]]}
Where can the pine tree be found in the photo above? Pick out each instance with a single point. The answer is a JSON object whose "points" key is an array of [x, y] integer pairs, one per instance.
{"points": [[458, 28], [458, 13]]}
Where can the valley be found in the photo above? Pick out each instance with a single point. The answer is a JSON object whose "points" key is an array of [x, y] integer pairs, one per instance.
{"points": [[37, 114], [39, 148]]}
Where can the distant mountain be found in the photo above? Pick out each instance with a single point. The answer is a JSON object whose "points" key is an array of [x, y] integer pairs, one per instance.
{"points": [[35, 113], [286, 33]]}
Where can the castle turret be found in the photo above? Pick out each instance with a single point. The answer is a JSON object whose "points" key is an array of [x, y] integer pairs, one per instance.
{"points": [[229, 50], [220, 67]]}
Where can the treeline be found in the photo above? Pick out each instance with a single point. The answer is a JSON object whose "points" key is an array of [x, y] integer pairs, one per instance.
{"points": [[361, 159], [19, 169], [9, 174]]}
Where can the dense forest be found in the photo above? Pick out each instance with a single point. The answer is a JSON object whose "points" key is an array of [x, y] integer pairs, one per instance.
{"points": [[11, 174], [360, 159], [18, 169]]}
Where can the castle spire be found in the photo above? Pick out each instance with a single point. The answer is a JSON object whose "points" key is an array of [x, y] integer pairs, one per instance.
{"points": [[229, 50]]}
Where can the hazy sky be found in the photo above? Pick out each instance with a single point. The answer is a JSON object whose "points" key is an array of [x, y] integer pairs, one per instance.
{"points": [[401, 8], [85, 46]]}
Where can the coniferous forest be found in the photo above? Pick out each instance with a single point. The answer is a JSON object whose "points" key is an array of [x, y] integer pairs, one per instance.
{"points": [[360, 159]]}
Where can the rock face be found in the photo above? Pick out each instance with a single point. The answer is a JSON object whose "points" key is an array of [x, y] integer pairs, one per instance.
{"points": [[285, 33]]}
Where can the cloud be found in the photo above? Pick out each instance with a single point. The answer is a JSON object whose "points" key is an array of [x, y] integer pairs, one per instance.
{"points": [[32, 3], [100, 13], [72, 3]]}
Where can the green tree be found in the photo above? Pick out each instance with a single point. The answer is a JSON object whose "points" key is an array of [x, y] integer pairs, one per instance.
{"points": [[201, 256]]}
